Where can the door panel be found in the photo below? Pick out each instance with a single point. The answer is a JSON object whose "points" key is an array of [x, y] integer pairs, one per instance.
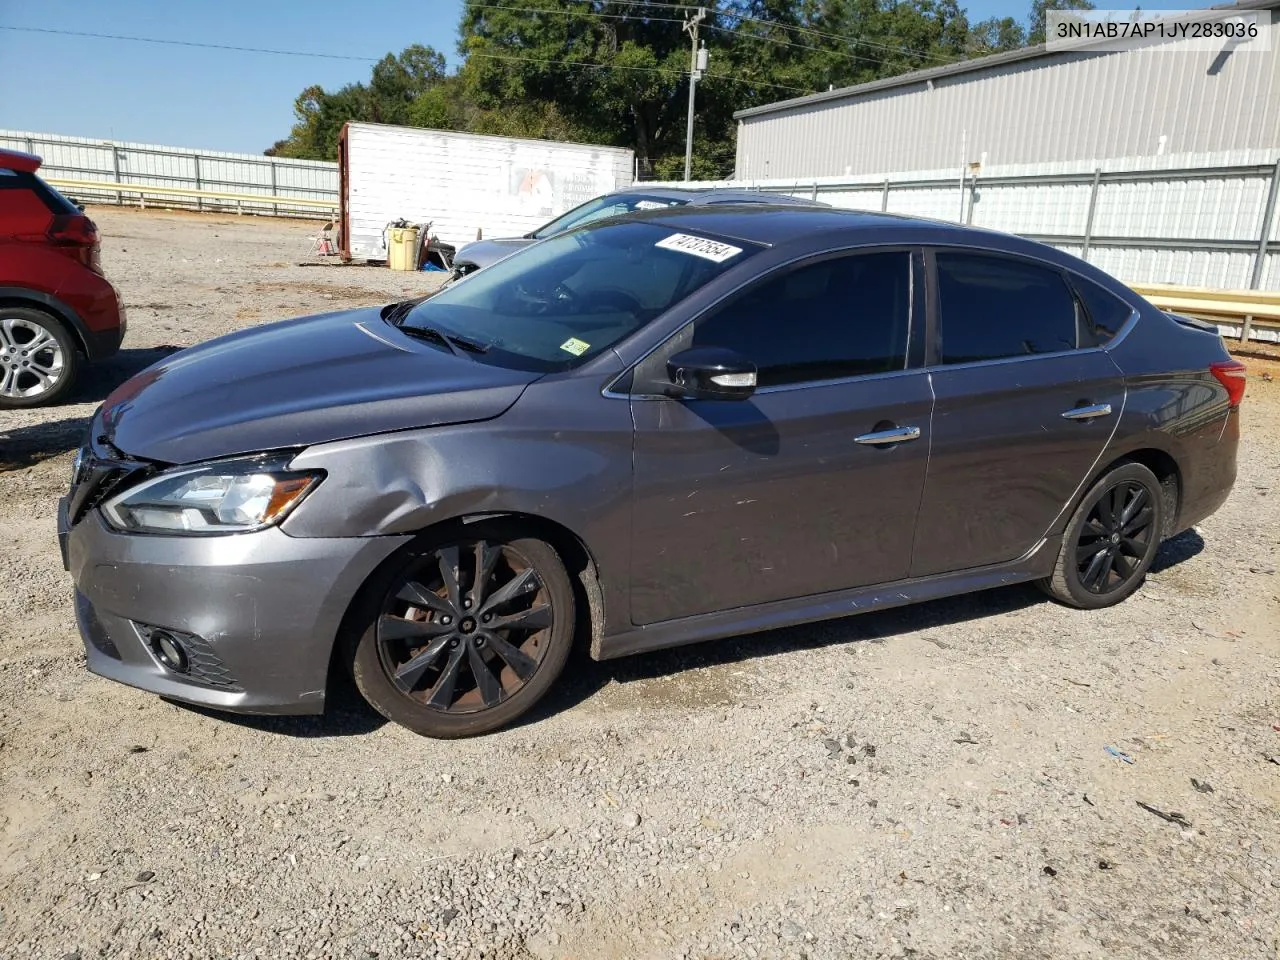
{"points": [[744, 502], [1004, 460]]}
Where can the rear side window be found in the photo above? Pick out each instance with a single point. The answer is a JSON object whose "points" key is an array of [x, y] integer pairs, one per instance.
{"points": [[995, 307], [843, 317], [1105, 313]]}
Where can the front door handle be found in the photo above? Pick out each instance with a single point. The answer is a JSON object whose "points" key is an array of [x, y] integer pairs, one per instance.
{"points": [[896, 435], [1090, 412]]}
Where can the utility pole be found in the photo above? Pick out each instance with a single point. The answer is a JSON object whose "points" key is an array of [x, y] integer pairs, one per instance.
{"points": [[697, 64]]}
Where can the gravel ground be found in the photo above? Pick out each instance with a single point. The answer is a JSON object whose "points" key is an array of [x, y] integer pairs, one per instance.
{"points": [[930, 782]]}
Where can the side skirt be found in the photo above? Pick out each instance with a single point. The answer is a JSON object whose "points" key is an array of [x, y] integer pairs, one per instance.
{"points": [[827, 606]]}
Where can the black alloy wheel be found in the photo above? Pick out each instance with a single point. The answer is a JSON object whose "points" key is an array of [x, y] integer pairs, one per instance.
{"points": [[1115, 537], [468, 635], [1111, 540]]}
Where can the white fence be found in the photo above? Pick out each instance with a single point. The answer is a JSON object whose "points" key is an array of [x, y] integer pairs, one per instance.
{"points": [[1200, 220], [1204, 220], [158, 167]]}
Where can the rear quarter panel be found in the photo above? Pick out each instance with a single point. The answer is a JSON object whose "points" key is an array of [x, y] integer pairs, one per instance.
{"points": [[1177, 406]]}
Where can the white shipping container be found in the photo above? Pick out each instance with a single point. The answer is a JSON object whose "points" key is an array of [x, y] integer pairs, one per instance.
{"points": [[463, 183]]}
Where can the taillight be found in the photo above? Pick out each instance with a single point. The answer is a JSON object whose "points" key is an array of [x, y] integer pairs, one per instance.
{"points": [[1230, 373], [76, 235]]}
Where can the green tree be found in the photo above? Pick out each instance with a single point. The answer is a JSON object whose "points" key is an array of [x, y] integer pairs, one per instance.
{"points": [[616, 71], [1039, 18], [396, 86], [995, 35]]}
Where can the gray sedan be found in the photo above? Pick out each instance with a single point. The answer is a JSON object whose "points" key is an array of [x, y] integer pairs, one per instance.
{"points": [[676, 426], [484, 253]]}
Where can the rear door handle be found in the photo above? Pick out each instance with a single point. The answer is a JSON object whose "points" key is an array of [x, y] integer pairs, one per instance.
{"points": [[1091, 412], [896, 435]]}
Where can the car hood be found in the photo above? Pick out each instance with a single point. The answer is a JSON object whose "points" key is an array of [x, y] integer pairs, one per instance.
{"points": [[299, 382], [484, 253]]}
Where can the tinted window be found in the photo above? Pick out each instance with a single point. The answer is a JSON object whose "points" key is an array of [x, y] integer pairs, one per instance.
{"points": [[559, 302], [837, 318], [1105, 313], [994, 307], [56, 201]]}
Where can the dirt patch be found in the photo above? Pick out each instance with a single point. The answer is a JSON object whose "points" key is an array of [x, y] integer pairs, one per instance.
{"points": [[325, 291]]}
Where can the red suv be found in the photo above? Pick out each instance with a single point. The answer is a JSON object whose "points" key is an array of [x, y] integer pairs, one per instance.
{"points": [[57, 310]]}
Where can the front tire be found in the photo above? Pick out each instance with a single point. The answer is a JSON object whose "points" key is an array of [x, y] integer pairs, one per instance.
{"points": [[38, 358], [1111, 540], [467, 633]]}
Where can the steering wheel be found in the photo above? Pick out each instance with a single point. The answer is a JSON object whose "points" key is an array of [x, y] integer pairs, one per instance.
{"points": [[537, 301], [615, 300]]}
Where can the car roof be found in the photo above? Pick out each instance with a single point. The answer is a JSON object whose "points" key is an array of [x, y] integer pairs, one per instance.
{"points": [[19, 161], [707, 195], [777, 225]]}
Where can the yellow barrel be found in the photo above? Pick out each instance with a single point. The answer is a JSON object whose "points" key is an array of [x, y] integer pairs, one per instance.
{"points": [[401, 249]]}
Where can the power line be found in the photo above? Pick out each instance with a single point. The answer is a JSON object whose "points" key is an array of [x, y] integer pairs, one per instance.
{"points": [[618, 66], [572, 13], [835, 36], [798, 29], [787, 43], [192, 43], [346, 56], [628, 18]]}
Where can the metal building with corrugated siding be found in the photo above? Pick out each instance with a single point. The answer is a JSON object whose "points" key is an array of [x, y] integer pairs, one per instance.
{"points": [[1028, 106]]}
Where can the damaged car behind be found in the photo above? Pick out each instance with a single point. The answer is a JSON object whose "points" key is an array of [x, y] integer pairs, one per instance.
{"points": [[675, 426]]}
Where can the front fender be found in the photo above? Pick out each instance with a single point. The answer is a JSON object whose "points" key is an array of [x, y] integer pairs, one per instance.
{"points": [[561, 454]]}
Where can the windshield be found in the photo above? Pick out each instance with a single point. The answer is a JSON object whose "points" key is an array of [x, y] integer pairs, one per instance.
{"points": [[610, 205], [558, 303]]}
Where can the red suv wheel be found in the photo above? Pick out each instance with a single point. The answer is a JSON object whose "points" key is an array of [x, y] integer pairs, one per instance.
{"points": [[56, 307]]}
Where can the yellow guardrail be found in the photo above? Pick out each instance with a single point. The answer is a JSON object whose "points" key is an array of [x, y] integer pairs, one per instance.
{"points": [[148, 190], [1246, 309]]}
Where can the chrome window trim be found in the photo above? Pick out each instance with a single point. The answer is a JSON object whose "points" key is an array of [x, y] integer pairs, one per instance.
{"points": [[1105, 348]]}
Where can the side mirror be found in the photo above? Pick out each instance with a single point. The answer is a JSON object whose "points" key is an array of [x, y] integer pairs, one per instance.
{"points": [[711, 373]]}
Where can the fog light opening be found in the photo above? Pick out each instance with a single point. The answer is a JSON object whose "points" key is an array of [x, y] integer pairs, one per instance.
{"points": [[169, 651]]}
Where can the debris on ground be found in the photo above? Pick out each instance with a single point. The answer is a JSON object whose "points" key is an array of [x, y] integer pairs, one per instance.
{"points": [[1171, 817], [1119, 754]]}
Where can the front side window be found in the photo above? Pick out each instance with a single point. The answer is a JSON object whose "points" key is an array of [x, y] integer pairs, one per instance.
{"points": [[560, 302], [842, 317], [995, 307]]}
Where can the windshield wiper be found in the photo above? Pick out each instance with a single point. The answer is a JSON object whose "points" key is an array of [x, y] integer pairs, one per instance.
{"points": [[398, 311], [453, 341]]}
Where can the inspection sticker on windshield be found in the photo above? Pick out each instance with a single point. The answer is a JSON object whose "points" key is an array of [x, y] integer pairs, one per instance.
{"points": [[699, 247], [575, 346]]}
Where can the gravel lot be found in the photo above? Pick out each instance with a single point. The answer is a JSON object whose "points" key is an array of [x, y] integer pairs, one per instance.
{"points": [[930, 782]]}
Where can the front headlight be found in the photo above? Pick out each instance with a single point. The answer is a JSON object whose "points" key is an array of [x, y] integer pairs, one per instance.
{"points": [[232, 496]]}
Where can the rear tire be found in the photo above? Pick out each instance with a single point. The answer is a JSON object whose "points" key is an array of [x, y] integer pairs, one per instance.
{"points": [[1111, 540], [467, 633], [38, 358]]}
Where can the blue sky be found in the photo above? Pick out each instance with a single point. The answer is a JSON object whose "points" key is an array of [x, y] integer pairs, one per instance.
{"points": [[219, 99]]}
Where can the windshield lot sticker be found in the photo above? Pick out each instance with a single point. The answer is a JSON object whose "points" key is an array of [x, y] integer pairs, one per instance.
{"points": [[652, 205], [700, 247], [575, 346]]}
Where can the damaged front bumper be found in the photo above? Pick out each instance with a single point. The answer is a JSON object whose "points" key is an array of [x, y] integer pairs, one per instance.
{"points": [[256, 615]]}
